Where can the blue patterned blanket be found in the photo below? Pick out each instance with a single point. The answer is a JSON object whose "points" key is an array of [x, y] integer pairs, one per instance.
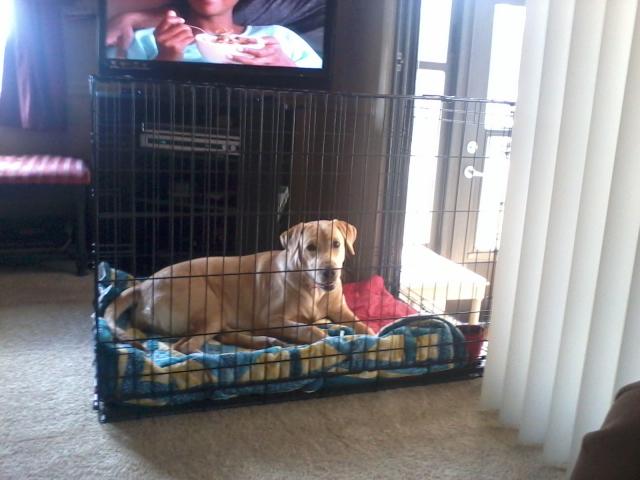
{"points": [[162, 376]]}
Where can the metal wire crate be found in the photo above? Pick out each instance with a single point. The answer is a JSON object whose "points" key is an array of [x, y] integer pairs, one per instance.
{"points": [[187, 171]]}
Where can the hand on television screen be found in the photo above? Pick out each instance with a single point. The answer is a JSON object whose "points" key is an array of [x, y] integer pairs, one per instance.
{"points": [[120, 31], [172, 36], [121, 28], [270, 55]]}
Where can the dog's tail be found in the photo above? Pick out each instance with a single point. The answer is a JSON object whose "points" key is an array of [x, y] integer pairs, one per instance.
{"points": [[121, 304]]}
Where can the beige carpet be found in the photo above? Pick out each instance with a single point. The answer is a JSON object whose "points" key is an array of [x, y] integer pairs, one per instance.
{"points": [[49, 431]]}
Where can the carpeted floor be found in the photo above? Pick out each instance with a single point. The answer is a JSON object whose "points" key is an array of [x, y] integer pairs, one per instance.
{"points": [[49, 431]]}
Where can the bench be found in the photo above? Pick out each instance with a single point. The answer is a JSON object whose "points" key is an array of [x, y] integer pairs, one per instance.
{"points": [[45, 185]]}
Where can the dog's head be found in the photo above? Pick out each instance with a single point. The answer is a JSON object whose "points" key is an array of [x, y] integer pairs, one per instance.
{"points": [[319, 248]]}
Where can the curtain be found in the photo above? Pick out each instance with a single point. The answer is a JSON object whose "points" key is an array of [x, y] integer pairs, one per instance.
{"points": [[566, 307], [33, 88]]}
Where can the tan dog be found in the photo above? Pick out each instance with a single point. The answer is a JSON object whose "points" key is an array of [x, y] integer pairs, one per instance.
{"points": [[251, 301]]}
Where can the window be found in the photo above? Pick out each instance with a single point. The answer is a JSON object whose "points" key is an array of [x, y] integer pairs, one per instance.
{"points": [[431, 76], [6, 22], [504, 70]]}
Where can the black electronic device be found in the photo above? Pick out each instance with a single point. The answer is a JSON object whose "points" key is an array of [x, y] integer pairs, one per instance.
{"points": [[293, 36]]}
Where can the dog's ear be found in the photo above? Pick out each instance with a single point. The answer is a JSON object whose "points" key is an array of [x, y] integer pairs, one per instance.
{"points": [[291, 238], [349, 232]]}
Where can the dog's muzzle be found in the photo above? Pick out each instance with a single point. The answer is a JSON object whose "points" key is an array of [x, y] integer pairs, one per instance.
{"points": [[327, 287], [328, 278]]}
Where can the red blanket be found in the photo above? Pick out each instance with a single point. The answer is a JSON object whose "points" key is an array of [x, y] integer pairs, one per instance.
{"points": [[373, 304]]}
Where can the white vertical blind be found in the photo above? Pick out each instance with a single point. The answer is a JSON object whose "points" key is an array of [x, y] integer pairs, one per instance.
{"points": [[577, 112], [566, 314], [616, 264], [515, 202], [594, 201], [546, 138]]}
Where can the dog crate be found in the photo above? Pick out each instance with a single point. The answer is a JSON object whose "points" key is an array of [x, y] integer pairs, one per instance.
{"points": [[187, 171]]}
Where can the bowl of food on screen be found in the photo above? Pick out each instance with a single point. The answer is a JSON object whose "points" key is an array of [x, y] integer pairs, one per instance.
{"points": [[218, 48]]}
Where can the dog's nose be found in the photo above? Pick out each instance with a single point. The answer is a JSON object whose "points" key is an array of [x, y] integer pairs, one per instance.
{"points": [[328, 274]]}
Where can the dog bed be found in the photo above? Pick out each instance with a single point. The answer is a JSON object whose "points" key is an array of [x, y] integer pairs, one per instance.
{"points": [[407, 344]]}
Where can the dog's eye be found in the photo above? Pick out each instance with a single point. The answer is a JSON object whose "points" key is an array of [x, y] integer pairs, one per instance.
{"points": [[336, 244], [311, 247]]}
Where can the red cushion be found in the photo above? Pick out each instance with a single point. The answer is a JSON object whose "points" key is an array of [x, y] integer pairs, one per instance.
{"points": [[376, 307], [43, 169], [373, 304]]}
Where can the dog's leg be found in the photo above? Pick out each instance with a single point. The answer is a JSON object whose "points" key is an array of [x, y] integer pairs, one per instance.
{"points": [[254, 342], [299, 332], [188, 345], [344, 316], [122, 303]]}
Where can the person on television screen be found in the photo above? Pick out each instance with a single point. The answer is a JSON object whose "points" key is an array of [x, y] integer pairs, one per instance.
{"points": [[173, 38]]}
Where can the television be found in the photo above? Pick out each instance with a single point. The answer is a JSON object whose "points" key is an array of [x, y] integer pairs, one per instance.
{"points": [[270, 43]]}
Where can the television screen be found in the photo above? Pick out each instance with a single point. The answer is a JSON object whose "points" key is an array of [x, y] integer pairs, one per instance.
{"points": [[211, 39]]}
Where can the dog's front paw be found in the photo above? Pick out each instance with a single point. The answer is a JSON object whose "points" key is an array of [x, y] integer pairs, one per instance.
{"points": [[189, 345], [133, 343], [315, 334], [274, 342], [138, 345], [363, 329]]}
